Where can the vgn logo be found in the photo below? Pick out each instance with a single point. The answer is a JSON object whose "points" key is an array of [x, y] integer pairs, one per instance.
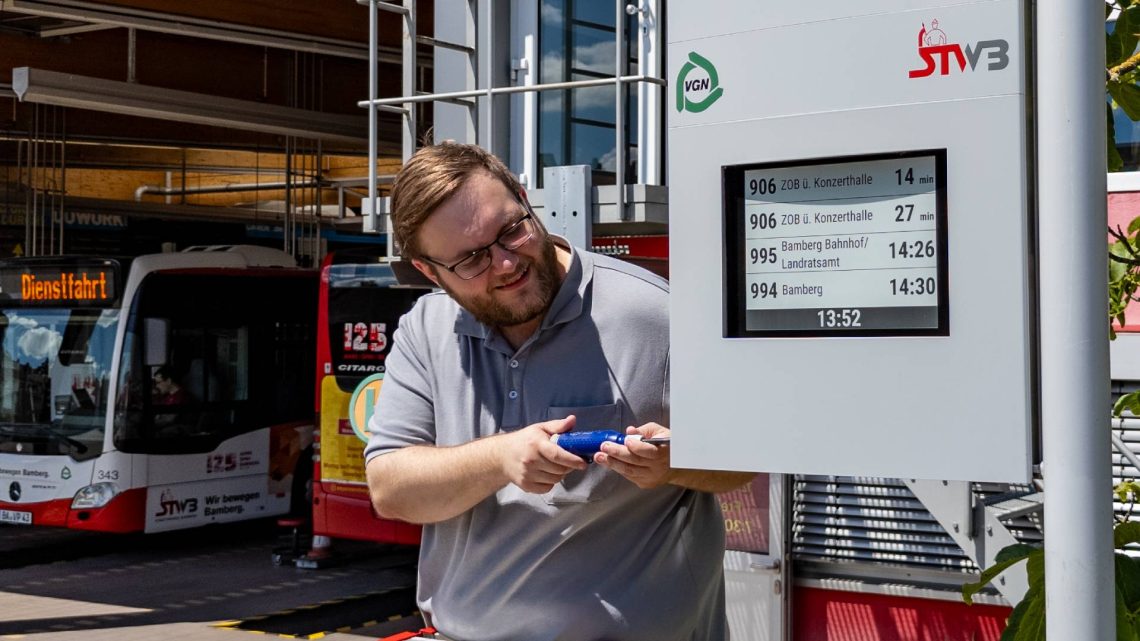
{"points": [[697, 85], [936, 52]]}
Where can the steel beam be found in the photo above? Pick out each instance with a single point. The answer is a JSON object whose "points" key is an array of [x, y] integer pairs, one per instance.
{"points": [[81, 92]]}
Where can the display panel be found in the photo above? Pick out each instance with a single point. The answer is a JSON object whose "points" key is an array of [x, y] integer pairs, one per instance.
{"points": [[73, 283], [837, 246]]}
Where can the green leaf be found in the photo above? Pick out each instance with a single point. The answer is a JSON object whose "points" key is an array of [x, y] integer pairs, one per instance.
{"points": [[1006, 557], [1124, 627], [1128, 580], [1127, 24], [1127, 492], [1119, 406], [1129, 402], [1125, 533], [1124, 34], [1035, 569], [1013, 624], [1117, 269], [1032, 625], [1015, 552], [1127, 97]]}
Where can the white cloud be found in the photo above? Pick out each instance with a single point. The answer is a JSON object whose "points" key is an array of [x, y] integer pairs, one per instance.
{"points": [[22, 321], [608, 161], [585, 99], [40, 343], [598, 56], [551, 15]]}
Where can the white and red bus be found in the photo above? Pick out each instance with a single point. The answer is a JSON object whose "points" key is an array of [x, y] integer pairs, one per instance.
{"points": [[160, 393], [360, 305]]}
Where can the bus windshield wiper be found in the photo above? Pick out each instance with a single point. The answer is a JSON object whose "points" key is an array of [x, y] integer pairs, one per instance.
{"points": [[41, 430]]}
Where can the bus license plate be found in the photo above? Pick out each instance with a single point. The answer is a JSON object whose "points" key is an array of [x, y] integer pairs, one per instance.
{"points": [[19, 518]]}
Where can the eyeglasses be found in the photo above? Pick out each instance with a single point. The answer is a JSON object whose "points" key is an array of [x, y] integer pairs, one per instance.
{"points": [[518, 234]]}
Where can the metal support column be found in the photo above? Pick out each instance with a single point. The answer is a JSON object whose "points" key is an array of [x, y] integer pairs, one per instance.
{"points": [[408, 75], [1080, 602], [619, 109], [369, 210]]}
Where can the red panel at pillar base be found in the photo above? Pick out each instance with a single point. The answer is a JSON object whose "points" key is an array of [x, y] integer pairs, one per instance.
{"points": [[833, 615]]}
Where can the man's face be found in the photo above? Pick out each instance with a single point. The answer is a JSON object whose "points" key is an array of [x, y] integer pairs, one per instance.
{"points": [[519, 285]]}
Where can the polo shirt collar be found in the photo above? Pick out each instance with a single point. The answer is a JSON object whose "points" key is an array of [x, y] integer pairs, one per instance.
{"points": [[567, 305]]}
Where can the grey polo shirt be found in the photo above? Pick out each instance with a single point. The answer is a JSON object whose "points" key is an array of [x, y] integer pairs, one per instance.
{"points": [[596, 557]]}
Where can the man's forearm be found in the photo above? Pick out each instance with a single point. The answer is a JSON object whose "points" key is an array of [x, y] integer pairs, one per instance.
{"points": [[709, 481], [425, 484]]}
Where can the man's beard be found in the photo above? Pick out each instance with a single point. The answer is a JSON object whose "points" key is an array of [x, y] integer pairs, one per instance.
{"points": [[490, 311]]}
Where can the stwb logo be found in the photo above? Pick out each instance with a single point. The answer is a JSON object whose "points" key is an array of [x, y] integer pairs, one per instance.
{"points": [[169, 505], [940, 55], [697, 85]]}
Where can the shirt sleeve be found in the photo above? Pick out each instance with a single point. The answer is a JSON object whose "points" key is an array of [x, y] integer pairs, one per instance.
{"points": [[404, 413]]}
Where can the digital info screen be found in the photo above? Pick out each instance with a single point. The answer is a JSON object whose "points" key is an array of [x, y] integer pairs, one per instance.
{"points": [[837, 246]]}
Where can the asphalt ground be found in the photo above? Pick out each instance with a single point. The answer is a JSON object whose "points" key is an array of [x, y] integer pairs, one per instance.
{"points": [[218, 580]]}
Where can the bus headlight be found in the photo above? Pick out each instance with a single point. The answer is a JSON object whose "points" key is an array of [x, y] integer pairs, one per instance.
{"points": [[94, 496]]}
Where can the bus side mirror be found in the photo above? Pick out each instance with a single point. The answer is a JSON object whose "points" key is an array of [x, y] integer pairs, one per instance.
{"points": [[157, 339]]}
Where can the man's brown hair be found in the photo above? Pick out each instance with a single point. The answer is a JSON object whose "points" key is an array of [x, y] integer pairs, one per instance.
{"points": [[432, 176]]}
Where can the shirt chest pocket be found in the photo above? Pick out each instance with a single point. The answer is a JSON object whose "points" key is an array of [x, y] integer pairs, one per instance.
{"points": [[595, 482]]}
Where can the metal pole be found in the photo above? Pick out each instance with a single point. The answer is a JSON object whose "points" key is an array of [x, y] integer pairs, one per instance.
{"points": [[619, 110], [1080, 597], [642, 95], [370, 211], [490, 83], [408, 84], [495, 91], [131, 54]]}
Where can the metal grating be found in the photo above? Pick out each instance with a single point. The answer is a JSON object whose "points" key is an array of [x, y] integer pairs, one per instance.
{"points": [[874, 521], [876, 528]]}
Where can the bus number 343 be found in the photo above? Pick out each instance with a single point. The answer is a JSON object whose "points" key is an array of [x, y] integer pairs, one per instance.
{"points": [[365, 337]]}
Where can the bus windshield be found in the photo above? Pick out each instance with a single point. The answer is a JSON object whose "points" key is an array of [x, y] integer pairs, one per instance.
{"points": [[54, 376]]}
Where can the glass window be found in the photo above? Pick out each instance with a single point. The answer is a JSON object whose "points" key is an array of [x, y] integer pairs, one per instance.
{"points": [[54, 374], [228, 354], [597, 12], [594, 146], [592, 50], [577, 127]]}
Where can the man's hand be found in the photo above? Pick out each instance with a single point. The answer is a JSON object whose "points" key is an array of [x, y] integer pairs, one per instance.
{"points": [[535, 464], [645, 465]]}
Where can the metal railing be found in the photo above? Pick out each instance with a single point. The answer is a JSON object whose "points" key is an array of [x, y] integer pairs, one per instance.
{"points": [[403, 104]]}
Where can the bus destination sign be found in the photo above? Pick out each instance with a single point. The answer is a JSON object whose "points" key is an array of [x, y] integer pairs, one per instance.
{"points": [[837, 246], [62, 285]]}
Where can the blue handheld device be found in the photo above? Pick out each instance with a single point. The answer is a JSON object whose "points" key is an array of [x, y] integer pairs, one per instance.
{"points": [[586, 444]]}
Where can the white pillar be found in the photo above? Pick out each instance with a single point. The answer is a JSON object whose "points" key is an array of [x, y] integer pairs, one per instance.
{"points": [[1080, 601]]}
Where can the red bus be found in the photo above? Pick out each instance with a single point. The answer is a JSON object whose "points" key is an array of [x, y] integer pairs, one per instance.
{"points": [[360, 304]]}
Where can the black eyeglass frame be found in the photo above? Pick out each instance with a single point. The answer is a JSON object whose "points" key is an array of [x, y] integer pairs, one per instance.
{"points": [[529, 215]]}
